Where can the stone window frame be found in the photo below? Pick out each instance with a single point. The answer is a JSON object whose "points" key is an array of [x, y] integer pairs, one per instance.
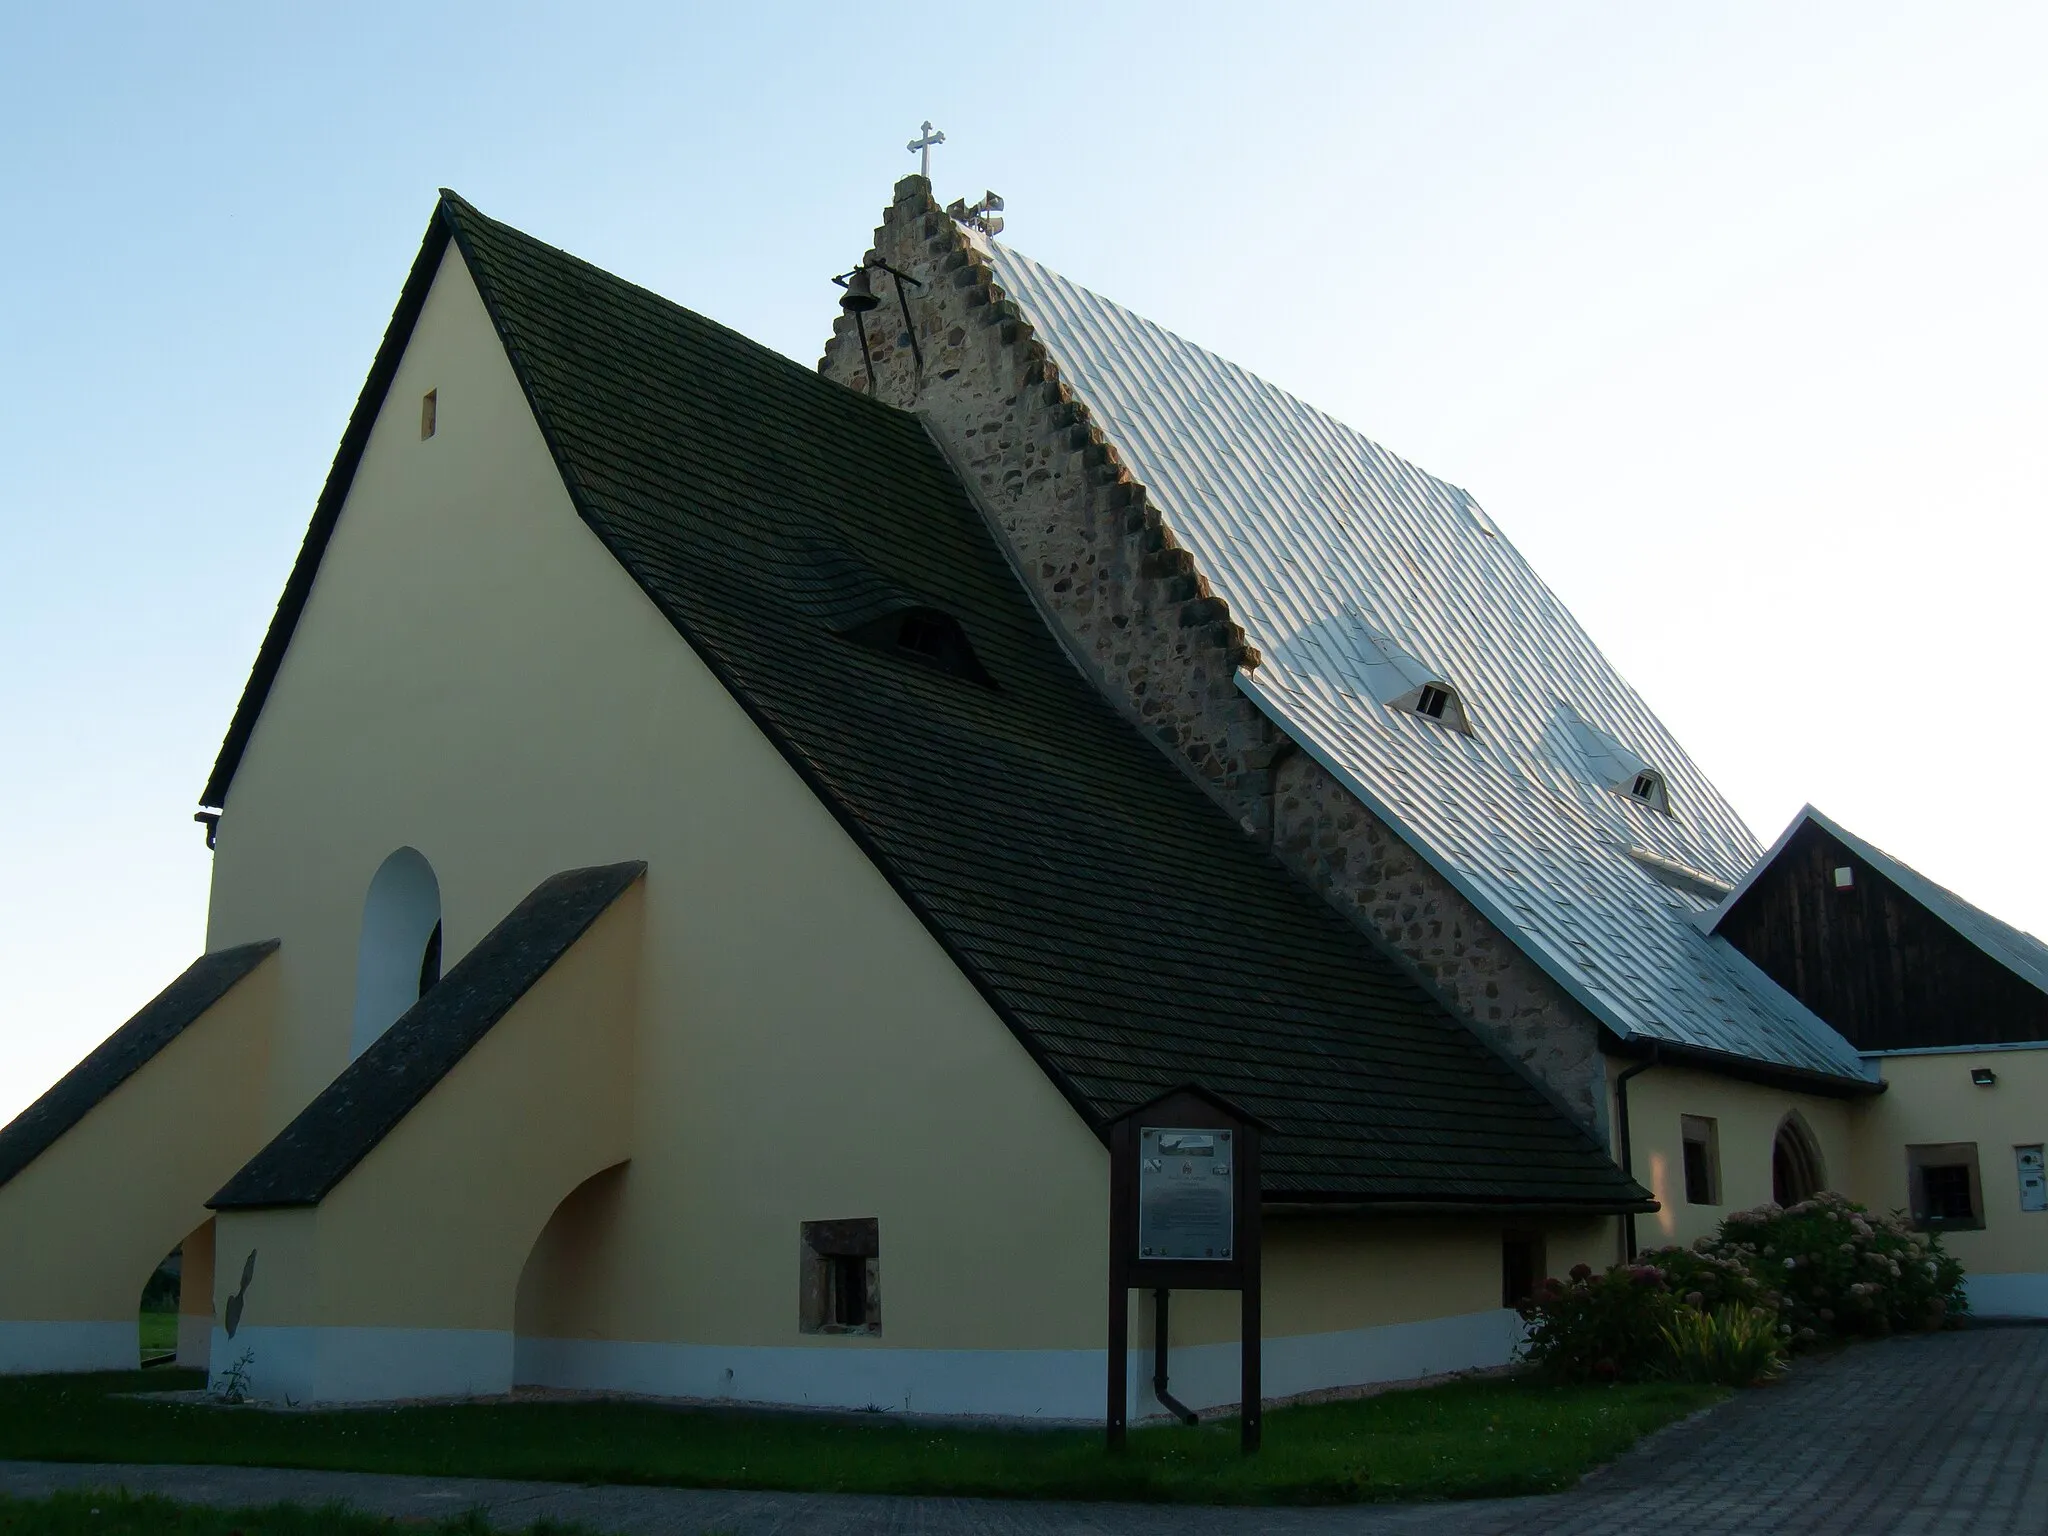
{"points": [[1922, 1157], [830, 1253], [1704, 1132]]}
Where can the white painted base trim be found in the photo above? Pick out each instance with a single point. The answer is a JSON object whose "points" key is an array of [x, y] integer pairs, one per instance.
{"points": [[28, 1348], [195, 1338], [344, 1365], [363, 1365], [2008, 1295], [1011, 1383]]}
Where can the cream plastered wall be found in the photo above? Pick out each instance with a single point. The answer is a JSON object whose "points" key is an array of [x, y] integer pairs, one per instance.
{"points": [[433, 1227], [83, 1226], [1930, 1098], [1747, 1117], [195, 1297], [1330, 1274], [476, 678]]}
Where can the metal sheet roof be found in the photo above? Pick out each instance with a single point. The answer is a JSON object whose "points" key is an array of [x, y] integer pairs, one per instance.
{"points": [[1354, 571], [2014, 948]]}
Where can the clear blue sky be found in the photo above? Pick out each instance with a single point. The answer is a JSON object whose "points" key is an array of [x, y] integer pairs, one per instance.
{"points": [[1732, 316]]}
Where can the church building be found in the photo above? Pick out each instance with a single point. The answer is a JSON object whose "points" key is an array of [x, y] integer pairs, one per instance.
{"points": [[708, 848]]}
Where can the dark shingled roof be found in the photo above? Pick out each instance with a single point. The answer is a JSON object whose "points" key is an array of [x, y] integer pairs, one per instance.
{"points": [[1118, 921], [384, 1084], [124, 1053]]}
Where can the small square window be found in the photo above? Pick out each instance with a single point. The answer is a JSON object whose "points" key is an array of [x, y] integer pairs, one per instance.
{"points": [[841, 1285], [429, 407], [1432, 703], [1700, 1140], [1943, 1182], [1845, 878]]}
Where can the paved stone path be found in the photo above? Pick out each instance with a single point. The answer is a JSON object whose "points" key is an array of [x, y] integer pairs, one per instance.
{"points": [[1921, 1435]]}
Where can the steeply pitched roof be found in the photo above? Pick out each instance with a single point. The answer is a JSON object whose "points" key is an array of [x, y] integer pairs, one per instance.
{"points": [[124, 1053], [383, 1085], [1327, 547], [2018, 951], [1125, 930]]}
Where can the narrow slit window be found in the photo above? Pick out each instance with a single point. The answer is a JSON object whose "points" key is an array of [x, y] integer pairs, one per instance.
{"points": [[430, 962], [1521, 1266], [429, 406], [846, 1291], [1700, 1141]]}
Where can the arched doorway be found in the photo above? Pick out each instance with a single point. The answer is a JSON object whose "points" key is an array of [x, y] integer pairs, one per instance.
{"points": [[399, 956], [158, 1317], [570, 1275], [1797, 1172]]}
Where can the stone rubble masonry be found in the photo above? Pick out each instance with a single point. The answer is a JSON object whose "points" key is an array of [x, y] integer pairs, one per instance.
{"points": [[1142, 620]]}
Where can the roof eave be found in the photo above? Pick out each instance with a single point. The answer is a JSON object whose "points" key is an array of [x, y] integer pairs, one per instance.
{"points": [[1745, 1068], [1301, 1203]]}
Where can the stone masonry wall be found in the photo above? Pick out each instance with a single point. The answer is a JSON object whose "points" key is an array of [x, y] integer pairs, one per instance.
{"points": [[1142, 620]]}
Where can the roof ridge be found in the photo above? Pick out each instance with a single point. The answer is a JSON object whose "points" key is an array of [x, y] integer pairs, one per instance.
{"points": [[461, 208]]}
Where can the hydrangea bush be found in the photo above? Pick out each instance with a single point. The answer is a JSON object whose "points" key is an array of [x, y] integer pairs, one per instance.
{"points": [[1840, 1272], [1820, 1270]]}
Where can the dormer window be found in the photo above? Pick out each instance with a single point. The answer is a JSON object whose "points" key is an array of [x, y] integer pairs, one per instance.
{"points": [[1436, 701], [927, 636], [1647, 788]]}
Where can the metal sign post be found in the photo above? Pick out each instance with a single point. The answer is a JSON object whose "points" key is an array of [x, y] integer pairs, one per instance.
{"points": [[1183, 1214]]}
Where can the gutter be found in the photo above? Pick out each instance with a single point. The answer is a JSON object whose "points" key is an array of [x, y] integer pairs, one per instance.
{"points": [[1628, 1160], [1300, 1205], [1746, 1069], [1172, 1404]]}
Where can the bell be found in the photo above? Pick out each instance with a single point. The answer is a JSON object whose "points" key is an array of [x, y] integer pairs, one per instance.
{"points": [[859, 297]]}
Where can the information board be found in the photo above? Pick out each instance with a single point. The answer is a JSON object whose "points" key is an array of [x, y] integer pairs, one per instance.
{"points": [[1187, 1195]]}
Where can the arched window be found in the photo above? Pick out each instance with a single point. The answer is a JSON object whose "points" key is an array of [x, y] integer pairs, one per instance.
{"points": [[399, 955], [1797, 1172]]}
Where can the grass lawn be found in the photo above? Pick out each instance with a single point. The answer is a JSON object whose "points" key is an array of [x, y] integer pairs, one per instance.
{"points": [[1465, 1440], [159, 1332], [101, 1514]]}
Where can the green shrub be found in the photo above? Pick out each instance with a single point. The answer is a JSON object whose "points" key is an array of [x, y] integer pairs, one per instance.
{"points": [[1605, 1327], [1836, 1271], [1732, 1346]]}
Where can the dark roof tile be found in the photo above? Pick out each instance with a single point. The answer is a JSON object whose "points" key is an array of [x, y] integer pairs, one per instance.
{"points": [[1121, 925], [125, 1052]]}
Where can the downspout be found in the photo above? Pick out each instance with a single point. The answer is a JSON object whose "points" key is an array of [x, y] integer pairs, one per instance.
{"points": [[1628, 1160], [1174, 1405]]}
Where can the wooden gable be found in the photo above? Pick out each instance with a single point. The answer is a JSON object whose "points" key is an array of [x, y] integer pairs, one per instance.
{"points": [[1870, 958]]}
